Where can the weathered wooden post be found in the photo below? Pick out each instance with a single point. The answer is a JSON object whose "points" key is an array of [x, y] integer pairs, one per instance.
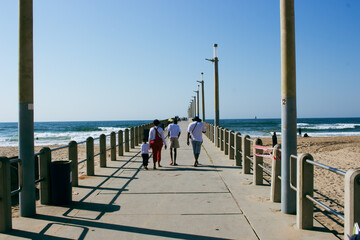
{"points": [[231, 144], [90, 171], [221, 139], [136, 133], [246, 154], [238, 149], [218, 137], [258, 171], [275, 194], [127, 149], [73, 157], [102, 150], [305, 186], [44, 170], [121, 144], [132, 137], [226, 141], [352, 200], [5, 195], [113, 146]]}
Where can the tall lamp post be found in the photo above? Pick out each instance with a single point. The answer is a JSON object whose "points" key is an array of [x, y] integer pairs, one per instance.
{"points": [[288, 103], [26, 108], [197, 96], [194, 103], [202, 96], [215, 60]]}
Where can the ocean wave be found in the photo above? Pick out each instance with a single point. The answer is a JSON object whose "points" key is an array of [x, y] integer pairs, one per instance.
{"points": [[337, 126]]}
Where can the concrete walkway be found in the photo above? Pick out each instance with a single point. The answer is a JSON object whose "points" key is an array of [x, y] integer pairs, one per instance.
{"points": [[124, 201]]}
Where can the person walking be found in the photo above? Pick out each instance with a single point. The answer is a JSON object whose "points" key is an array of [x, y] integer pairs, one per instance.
{"points": [[195, 130], [274, 139], [174, 132], [145, 153], [156, 140]]}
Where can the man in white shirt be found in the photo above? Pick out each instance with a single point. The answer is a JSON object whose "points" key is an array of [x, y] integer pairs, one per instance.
{"points": [[174, 132], [195, 130], [156, 140]]}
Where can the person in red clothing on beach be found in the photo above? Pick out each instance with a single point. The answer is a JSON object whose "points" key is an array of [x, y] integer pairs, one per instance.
{"points": [[156, 140]]}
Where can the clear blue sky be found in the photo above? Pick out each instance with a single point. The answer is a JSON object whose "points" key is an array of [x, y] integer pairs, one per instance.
{"points": [[140, 59]]}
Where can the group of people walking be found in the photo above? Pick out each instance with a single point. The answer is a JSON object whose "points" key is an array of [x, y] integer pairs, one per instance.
{"points": [[157, 140]]}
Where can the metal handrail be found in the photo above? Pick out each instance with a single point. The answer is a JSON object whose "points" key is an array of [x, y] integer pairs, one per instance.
{"points": [[97, 154], [82, 161], [20, 177], [335, 170], [37, 154], [82, 142], [339, 215], [39, 180], [58, 148], [265, 168], [291, 173], [239, 151], [249, 139], [108, 149], [250, 158]]}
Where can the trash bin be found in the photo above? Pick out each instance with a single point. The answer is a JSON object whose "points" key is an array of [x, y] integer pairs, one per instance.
{"points": [[61, 182]]}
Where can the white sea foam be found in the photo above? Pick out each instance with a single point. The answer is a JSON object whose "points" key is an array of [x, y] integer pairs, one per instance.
{"points": [[336, 126]]}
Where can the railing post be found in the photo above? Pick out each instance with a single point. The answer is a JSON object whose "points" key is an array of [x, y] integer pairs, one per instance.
{"points": [[305, 186], [5, 195], [102, 150], [218, 131], [258, 171], [113, 146], [238, 149], [212, 133], [44, 170], [73, 156], [132, 137], [221, 139], [352, 200], [136, 133], [226, 141], [231, 144], [121, 145], [127, 149], [90, 156], [246, 154], [275, 194]]}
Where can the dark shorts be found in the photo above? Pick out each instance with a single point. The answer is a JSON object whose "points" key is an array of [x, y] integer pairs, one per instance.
{"points": [[196, 146]]}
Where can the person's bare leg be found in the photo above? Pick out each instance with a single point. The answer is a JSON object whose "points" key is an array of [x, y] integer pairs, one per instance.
{"points": [[175, 154], [196, 155], [171, 157]]}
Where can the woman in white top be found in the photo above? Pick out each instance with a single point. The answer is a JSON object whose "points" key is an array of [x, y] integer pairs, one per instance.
{"points": [[156, 140]]}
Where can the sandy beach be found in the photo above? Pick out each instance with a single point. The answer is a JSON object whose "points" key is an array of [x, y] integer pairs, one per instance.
{"points": [[337, 152]]}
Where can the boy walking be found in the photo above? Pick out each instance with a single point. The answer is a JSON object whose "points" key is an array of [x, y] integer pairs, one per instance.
{"points": [[145, 153], [174, 134]]}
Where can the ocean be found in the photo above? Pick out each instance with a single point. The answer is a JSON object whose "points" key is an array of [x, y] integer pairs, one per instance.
{"points": [[49, 133]]}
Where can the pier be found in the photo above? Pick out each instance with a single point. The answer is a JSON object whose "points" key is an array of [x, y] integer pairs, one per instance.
{"points": [[122, 200]]}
